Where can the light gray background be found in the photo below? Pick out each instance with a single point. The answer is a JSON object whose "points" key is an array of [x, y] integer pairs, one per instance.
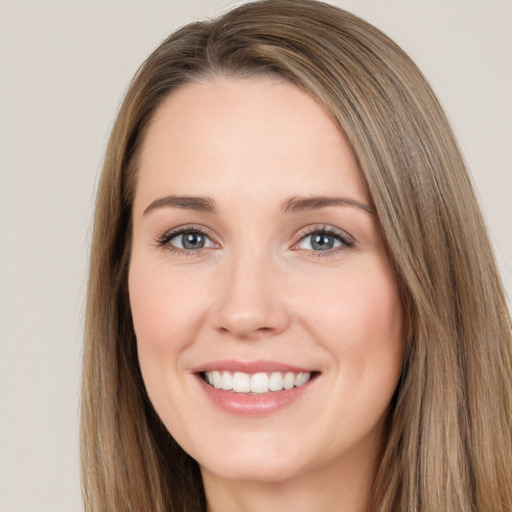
{"points": [[64, 67]]}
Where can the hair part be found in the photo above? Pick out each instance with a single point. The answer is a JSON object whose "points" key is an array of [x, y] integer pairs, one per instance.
{"points": [[448, 444]]}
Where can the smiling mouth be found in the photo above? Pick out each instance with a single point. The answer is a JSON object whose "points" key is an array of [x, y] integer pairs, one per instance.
{"points": [[256, 383]]}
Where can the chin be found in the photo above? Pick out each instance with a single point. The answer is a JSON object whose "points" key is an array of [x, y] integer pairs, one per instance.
{"points": [[257, 463]]}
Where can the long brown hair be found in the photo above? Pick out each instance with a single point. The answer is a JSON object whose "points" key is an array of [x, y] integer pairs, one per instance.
{"points": [[449, 438]]}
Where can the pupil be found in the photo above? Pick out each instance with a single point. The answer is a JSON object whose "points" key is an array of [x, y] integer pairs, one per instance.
{"points": [[193, 241], [322, 242]]}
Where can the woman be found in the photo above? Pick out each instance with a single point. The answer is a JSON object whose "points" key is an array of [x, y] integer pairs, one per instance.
{"points": [[292, 298]]}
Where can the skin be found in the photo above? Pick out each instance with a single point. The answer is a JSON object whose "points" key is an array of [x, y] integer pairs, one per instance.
{"points": [[258, 290]]}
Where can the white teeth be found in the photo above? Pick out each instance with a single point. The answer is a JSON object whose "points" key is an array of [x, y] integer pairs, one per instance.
{"points": [[289, 380], [240, 382], [227, 381], [275, 381], [301, 378], [259, 383], [217, 379]]}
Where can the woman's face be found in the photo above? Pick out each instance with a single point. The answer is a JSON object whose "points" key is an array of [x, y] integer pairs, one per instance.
{"points": [[257, 264]]}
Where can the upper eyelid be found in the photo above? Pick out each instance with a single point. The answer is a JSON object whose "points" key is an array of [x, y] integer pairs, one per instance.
{"points": [[188, 228], [325, 228]]}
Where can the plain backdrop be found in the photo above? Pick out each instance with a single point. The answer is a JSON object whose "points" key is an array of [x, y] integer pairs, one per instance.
{"points": [[63, 69]]}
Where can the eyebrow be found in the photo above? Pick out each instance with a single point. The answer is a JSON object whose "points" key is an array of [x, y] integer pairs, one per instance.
{"points": [[198, 204], [292, 205], [300, 204]]}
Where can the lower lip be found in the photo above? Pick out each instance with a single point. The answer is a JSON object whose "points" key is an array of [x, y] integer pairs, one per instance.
{"points": [[243, 404]]}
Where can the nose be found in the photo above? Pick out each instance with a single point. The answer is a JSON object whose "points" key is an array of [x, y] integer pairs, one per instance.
{"points": [[252, 299]]}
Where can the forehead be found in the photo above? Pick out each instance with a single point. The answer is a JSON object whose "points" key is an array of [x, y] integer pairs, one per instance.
{"points": [[261, 133]]}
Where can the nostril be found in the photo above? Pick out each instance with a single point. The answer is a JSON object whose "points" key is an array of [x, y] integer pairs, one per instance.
{"points": [[249, 333], [250, 322]]}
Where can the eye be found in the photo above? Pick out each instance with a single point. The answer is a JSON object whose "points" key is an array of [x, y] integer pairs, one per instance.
{"points": [[190, 240], [185, 239], [322, 240]]}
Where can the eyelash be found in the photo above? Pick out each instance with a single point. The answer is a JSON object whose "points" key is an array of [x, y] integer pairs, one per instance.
{"points": [[346, 241]]}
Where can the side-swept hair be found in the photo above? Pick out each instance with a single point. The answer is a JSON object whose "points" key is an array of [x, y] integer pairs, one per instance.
{"points": [[448, 444]]}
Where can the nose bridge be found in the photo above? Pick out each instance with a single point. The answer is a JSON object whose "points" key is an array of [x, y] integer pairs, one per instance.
{"points": [[250, 304]]}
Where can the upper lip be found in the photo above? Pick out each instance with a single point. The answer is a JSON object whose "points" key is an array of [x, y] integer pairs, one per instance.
{"points": [[249, 367]]}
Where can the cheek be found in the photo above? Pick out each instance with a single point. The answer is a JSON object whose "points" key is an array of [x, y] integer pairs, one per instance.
{"points": [[358, 306], [359, 320], [165, 306], [166, 309], [367, 342]]}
